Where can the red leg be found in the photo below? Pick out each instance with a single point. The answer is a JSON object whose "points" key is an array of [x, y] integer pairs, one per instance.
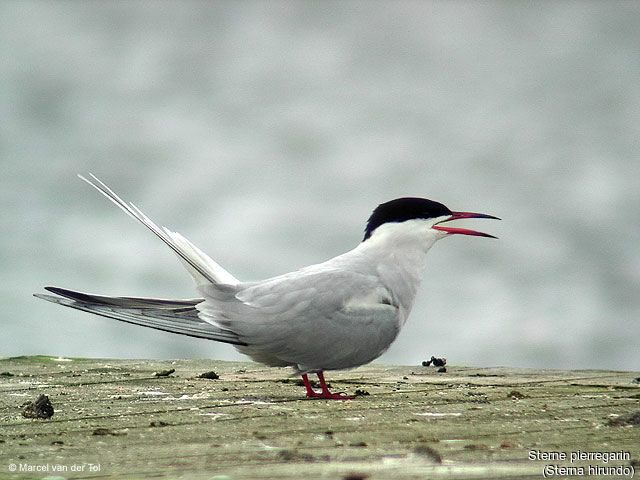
{"points": [[310, 391], [325, 390]]}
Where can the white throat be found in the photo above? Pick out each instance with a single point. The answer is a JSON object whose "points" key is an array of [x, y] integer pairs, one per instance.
{"points": [[399, 252]]}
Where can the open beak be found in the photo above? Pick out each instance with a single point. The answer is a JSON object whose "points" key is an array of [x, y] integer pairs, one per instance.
{"points": [[464, 231]]}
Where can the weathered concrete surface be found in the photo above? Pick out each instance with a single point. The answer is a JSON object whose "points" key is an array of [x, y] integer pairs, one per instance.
{"points": [[116, 419]]}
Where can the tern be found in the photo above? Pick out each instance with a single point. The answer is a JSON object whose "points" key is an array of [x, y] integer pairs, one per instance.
{"points": [[339, 314]]}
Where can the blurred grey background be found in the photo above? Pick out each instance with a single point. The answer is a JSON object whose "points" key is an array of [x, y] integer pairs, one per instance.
{"points": [[266, 132]]}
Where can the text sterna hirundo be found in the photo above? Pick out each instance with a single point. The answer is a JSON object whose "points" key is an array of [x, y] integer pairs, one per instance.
{"points": [[338, 314]]}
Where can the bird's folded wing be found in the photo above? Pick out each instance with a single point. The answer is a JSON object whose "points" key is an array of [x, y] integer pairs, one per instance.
{"points": [[315, 317]]}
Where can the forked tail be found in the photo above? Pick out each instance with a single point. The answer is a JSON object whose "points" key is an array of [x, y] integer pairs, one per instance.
{"points": [[200, 265]]}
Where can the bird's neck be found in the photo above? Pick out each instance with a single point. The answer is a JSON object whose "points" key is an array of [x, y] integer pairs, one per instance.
{"points": [[398, 252]]}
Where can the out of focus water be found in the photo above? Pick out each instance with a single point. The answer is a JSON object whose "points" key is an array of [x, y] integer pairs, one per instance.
{"points": [[266, 132]]}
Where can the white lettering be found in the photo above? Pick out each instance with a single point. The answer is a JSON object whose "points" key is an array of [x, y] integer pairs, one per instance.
{"points": [[556, 470], [540, 455], [603, 457], [26, 467]]}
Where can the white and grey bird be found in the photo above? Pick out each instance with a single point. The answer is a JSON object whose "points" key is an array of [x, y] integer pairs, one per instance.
{"points": [[338, 314]]}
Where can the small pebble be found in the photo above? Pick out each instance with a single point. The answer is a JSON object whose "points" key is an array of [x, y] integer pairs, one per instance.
{"points": [[435, 361], [41, 408], [623, 420], [516, 395], [428, 452]]}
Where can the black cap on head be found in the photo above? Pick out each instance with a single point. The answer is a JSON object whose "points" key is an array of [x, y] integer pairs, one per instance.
{"points": [[403, 209]]}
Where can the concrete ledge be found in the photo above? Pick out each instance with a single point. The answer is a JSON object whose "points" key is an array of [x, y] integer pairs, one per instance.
{"points": [[116, 419]]}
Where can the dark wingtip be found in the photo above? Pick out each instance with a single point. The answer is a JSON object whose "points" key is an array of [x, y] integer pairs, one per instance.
{"points": [[70, 294], [58, 291]]}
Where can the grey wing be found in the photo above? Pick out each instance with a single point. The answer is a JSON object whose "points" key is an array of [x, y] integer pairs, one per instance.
{"points": [[175, 316], [316, 318]]}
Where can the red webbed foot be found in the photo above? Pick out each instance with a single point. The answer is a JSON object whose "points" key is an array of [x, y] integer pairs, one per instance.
{"points": [[325, 393]]}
